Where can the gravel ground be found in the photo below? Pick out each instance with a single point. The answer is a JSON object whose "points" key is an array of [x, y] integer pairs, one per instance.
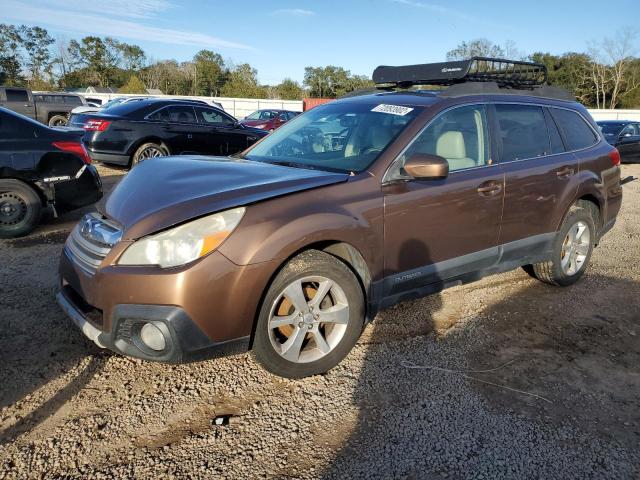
{"points": [[562, 402]]}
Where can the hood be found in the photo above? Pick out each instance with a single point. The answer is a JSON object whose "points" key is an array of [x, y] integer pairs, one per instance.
{"points": [[167, 191]]}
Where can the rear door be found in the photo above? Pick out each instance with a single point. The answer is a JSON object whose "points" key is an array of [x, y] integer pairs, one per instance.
{"points": [[178, 125], [538, 173], [19, 100]]}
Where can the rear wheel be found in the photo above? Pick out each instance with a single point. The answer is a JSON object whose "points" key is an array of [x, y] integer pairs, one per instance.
{"points": [[311, 317], [572, 248], [147, 151], [58, 121], [20, 208]]}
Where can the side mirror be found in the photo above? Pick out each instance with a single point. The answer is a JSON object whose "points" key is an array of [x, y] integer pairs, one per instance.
{"points": [[423, 166], [625, 135]]}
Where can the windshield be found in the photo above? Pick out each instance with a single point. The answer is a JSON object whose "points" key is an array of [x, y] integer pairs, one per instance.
{"points": [[339, 136], [610, 129], [262, 115]]}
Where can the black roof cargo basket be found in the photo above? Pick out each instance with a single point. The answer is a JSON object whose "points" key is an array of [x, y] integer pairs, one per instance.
{"points": [[513, 73], [478, 75]]}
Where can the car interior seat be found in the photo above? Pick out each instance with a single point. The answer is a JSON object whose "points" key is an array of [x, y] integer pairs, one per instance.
{"points": [[451, 146]]}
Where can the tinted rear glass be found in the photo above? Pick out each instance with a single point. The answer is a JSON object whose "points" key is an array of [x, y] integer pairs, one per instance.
{"points": [[611, 129], [125, 109], [577, 133], [14, 95], [523, 131]]}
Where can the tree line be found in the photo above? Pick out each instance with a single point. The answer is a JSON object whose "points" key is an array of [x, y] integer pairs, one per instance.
{"points": [[606, 76]]}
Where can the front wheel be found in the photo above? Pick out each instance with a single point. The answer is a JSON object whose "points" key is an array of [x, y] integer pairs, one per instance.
{"points": [[572, 248], [20, 208], [58, 121], [311, 317]]}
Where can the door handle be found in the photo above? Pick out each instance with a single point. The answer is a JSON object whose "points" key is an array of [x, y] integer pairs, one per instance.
{"points": [[489, 188], [566, 172]]}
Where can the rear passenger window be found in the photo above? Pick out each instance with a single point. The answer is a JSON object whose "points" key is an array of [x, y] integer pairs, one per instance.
{"points": [[14, 95], [460, 135], [523, 131], [577, 133]]}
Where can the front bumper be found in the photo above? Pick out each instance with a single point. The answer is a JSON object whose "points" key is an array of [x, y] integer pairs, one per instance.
{"points": [[184, 341]]}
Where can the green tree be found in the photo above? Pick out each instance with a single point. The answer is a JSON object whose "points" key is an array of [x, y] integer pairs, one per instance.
{"points": [[289, 90], [133, 57], [10, 58], [243, 83], [100, 57], [209, 73], [332, 82], [480, 47], [571, 71], [134, 85], [37, 42]]}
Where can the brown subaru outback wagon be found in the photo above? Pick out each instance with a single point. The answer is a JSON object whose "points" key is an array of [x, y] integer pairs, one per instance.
{"points": [[290, 248]]}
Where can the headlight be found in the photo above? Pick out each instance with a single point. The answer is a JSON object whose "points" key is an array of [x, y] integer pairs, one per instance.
{"points": [[185, 243]]}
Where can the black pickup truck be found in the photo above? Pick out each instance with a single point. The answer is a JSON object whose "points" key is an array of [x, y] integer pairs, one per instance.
{"points": [[49, 108]]}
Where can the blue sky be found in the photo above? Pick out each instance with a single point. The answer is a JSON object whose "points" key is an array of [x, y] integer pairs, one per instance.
{"points": [[281, 37]]}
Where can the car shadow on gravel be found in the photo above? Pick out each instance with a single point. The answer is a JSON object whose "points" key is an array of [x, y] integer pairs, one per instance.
{"points": [[577, 347]]}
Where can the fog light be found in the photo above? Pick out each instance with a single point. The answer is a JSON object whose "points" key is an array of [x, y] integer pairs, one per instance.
{"points": [[152, 337]]}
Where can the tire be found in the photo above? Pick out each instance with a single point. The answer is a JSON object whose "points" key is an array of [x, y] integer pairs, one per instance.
{"points": [[149, 150], [20, 208], [58, 121], [290, 349], [570, 258]]}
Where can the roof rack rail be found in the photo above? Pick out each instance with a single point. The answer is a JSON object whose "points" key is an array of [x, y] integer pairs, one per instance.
{"points": [[506, 73]]}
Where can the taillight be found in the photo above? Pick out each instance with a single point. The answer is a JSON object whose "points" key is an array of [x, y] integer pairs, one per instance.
{"points": [[76, 148], [614, 155], [96, 125]]}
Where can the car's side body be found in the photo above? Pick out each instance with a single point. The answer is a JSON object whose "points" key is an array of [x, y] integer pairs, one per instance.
{"points": [[43, 107], [28, 153], [269, 119], [181, 126], [625, 136], [403, 237]]}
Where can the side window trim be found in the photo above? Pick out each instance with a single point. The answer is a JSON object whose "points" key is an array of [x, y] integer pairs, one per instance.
{"points": [[491, 153], [551, 123]]}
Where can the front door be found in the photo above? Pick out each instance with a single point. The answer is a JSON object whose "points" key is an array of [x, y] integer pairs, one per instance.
{"points": [[222, 135], [437, 230]]}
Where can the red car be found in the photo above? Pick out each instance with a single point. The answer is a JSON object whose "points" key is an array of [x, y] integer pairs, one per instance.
{"points": [[268, 119]]}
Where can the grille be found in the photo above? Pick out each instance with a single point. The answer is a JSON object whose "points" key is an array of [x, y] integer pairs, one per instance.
{"points": [[91, 241]]}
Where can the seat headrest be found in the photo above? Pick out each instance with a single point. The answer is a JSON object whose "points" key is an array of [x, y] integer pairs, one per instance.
{"points": [[450, 145]]}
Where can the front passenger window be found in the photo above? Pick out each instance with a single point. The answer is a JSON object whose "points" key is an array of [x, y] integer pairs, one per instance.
{"points": [[459, 135]]}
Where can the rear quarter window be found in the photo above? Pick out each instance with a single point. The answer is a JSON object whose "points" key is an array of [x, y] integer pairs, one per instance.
{"points": [[576, 131]]}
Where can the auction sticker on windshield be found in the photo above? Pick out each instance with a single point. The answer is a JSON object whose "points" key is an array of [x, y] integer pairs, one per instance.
{"points": [[392, 109]]}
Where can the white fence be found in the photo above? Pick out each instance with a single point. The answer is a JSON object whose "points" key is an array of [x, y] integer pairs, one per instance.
{"points": [[241, 107], [615, 114], [238, 107]]}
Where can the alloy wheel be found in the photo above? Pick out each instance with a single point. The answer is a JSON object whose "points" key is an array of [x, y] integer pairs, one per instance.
{"points": [[575, 248], [151, 152], [308, 319]]}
